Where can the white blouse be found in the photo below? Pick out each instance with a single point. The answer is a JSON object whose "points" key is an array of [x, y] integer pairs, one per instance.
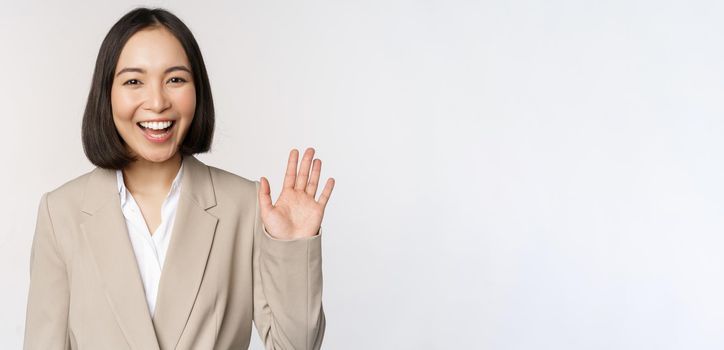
{"points": [[150, 250]]}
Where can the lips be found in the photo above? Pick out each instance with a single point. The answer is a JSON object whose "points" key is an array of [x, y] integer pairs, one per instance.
{"points": [[158, 136]]}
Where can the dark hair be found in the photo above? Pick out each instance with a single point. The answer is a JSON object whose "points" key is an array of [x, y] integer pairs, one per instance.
{"points": [[102, 143]]}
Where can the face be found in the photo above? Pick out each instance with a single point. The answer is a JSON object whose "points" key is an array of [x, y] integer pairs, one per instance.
{"points": [[153, 82]]}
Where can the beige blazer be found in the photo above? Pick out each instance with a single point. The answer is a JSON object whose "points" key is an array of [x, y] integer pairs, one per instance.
{"points": [[222, 271]]}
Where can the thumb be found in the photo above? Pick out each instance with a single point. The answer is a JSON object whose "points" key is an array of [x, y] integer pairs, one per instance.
{"points": [[265, 201]]}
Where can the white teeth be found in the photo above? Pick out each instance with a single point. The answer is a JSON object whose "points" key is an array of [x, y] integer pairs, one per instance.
{"points": [[156, 125]]}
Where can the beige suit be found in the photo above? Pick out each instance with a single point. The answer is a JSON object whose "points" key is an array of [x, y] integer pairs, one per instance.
{"points": [[222, 270]]}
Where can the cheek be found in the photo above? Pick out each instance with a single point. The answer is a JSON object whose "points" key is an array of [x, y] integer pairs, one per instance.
{"points": [[186, 102], [123, 105]]}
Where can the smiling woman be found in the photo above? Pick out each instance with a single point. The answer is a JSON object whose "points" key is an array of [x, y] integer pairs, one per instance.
{"points": [[153, 249], [153, 84], [149, 68]]}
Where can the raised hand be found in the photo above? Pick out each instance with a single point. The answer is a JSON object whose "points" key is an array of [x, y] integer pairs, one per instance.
{"points": [[296, 214]]}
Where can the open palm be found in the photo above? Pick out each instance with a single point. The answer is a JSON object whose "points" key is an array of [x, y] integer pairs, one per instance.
{"points": [[296, 214]]}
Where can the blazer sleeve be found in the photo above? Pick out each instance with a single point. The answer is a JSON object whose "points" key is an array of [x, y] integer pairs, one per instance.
{"points": [[287, 287], [47, 309]]}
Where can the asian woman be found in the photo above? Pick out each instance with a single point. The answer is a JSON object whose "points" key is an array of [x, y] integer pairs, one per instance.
{"points": [[153, 249]]}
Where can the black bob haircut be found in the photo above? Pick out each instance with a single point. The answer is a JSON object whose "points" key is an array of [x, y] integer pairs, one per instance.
{"points": [[102, 143]]}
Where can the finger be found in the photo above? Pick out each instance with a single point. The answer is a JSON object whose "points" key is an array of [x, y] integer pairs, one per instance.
{"points": [[314, 178], [324, 197], [265, 201], [303, 175], [291, 173]]}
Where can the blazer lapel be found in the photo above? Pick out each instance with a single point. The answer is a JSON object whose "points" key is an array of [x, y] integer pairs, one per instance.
{"points": [[107, 236], [183, 269], [188, 251]]}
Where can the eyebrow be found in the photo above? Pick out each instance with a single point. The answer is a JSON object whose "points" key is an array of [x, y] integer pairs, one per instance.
{"points": [[141, 70]]}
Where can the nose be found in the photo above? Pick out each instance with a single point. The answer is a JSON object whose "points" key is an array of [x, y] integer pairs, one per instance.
{"points": [[157, 100]]}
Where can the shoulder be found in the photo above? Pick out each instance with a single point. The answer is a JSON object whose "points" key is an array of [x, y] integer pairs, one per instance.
{"points": [[61, 205], [70, 193], [228, 183], [235, 195]]}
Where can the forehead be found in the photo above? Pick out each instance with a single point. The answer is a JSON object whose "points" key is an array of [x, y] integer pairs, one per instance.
{"points": [[153, 49]]}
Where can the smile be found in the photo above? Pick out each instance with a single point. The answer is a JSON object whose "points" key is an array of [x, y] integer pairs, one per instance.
{"points": [[157, 132]]}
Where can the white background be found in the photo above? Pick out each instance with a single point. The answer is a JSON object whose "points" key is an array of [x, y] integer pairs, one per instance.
{"points": [[510, 174]]}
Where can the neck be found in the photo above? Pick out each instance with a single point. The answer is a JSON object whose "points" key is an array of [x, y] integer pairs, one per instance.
{"points": [[146, 178]]}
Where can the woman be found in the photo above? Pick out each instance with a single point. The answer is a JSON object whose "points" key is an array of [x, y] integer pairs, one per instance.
{"points": [[229, 257]]}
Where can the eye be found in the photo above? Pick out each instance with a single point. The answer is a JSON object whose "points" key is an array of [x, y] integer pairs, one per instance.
{"points": [[131, 82], [178, 80]]}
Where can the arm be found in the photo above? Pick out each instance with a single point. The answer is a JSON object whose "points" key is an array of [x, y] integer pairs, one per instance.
{"points": [[47, 309], [287, 287]]}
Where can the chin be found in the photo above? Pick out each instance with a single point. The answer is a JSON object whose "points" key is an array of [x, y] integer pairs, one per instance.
{"points": [[157, 157]]}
